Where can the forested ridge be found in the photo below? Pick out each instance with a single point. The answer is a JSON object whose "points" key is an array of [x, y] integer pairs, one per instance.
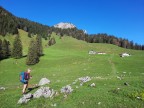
{"points": [[10, 24]]}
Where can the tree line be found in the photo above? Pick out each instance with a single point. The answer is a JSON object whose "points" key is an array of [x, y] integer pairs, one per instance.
{"points": [[11, 24], [110, 39]]}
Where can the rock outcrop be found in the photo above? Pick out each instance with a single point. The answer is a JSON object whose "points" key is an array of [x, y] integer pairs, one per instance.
{"points": [[63, 25], [44, 81], [45, 92], [25, 98], [66, 89]]}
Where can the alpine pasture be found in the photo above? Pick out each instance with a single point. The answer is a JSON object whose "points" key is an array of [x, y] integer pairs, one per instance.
{"points": [[119, 80]]}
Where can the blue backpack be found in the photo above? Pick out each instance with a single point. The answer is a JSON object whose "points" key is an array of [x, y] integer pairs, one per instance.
{"points": [[22, 77]]}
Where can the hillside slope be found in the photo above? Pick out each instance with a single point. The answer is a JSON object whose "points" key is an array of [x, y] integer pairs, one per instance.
{"points": [[68, 60]]}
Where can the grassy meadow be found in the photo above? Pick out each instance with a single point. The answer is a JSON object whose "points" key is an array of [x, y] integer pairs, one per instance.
{"points": [[68, 60]]}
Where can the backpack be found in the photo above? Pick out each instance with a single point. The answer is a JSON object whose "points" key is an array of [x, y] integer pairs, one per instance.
{"points": [[22, 77]]}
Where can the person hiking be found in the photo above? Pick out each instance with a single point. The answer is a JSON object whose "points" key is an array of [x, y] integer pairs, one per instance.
{"points": [[24, 78]]}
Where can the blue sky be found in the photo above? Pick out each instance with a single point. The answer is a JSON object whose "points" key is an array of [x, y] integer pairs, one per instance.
{"points": [[122, 18]]}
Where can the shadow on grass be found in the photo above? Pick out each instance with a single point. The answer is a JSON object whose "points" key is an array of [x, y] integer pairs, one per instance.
{"points": [[30, 89]]}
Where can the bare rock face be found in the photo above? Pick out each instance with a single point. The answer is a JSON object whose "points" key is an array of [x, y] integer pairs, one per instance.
{"points": [[63, 25], [44, 81]]}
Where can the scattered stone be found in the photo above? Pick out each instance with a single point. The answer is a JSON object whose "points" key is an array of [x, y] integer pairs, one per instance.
{"points": [[56, 93], [44, 81], [48, 93], [84, 79], [99, 103], [124, 55], [91, 52], [66, 89], [81, 84], [93, 85], [2, 88], [118, 88], [119, 78], [45, 92], [65, 96], [124, 72], [54, 105], [25, 98]]}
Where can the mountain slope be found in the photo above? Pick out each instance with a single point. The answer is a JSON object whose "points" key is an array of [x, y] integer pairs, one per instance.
{"points": [[68, 60]]}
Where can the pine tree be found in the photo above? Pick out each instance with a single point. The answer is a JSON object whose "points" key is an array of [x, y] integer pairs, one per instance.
{"points": [[39, 45], [32, 57], [4, 49], [0, 49], [52, 41], [17, 48], [29, 34], [142, 47], [8, 51]]}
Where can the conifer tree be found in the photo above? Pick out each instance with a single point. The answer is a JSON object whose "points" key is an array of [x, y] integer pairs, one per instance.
{"points": [[32, 57], [51, 41], [4, 49], [17, 48], [0, 49], [39, 45]]}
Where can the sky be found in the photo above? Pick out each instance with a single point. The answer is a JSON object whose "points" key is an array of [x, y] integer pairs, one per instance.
{"points": [[121, 18]]}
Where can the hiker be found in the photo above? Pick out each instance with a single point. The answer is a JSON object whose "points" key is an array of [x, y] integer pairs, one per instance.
{"points": [[24, 78]]}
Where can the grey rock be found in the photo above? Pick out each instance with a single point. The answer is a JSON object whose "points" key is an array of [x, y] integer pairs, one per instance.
{"points": [[66, 89], [63, 25], [25, 98], [84, 79], [2, 88], [93, 85], [44, 81], [54, 105], [38, 93], [45, 92]]}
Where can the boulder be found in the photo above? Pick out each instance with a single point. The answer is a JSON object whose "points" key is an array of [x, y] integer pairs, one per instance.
{"points": [[44, 81], [44, 91], [38, 93], [25, 98], [66, 89]]}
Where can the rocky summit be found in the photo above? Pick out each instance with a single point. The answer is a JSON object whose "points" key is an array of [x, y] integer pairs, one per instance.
{"points": [[63, 25]]}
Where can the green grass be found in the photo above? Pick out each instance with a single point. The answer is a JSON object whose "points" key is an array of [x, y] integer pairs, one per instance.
{"points": [[68, 60]]}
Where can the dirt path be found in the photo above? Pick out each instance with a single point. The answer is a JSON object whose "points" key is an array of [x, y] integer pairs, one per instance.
{"points": [[114, 70]]}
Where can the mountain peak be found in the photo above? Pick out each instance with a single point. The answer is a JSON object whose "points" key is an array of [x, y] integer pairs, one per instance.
{"points": [[65, 25]]}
